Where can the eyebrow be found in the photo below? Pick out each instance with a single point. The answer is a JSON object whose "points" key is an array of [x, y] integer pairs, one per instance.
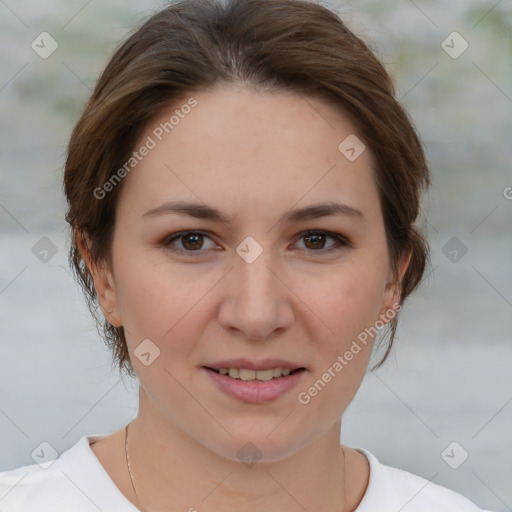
{"points": [[203, 211]]}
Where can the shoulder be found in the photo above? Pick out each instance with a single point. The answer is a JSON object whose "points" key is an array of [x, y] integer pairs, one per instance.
{"points": [[33, 486], [392, 489], [74, 481]]}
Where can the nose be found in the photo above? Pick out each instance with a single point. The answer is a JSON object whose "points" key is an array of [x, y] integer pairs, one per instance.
{"points": [[257, 303]]}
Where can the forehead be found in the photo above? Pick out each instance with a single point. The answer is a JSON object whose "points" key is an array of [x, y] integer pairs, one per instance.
{"points": [[241, 147]]}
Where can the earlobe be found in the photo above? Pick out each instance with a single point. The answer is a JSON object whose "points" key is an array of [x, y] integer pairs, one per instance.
{"points": [[104, 283]]}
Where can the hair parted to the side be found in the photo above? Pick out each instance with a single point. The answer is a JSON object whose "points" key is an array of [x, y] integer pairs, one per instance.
{"points": [[278, 45]]}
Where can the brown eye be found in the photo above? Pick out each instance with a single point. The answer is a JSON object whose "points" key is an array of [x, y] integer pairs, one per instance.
{"points": [[315, 241], [191, 242]]}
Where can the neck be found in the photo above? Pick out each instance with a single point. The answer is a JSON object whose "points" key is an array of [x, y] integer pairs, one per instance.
{"points": [[168, 466]]}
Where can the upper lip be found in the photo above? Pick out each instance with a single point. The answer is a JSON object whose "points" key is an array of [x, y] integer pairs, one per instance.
{"points": [[264, 364]]}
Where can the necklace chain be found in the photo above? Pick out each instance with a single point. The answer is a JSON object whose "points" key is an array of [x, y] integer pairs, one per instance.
{"points": [[143, 510], [129, 468]]}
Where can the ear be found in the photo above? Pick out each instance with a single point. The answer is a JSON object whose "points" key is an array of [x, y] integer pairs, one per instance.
{"points": [[103, 281], [391, 298]]}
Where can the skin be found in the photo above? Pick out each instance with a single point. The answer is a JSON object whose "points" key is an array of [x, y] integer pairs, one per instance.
{"points": [[254, 156]]}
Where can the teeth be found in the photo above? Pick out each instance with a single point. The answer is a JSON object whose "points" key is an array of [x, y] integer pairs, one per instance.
{"points": [[264, 374], [234, 372], [245, 374]]}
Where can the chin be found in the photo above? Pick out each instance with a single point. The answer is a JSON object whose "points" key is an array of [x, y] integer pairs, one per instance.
{"points": [[255, 444]]}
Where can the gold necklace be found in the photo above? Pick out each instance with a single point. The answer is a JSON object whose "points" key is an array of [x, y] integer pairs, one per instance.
{"points": [[143, 510], [129, 470]]}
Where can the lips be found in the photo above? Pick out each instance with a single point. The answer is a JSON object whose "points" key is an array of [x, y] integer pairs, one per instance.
{"points": [[255, 381], [265, 364]]}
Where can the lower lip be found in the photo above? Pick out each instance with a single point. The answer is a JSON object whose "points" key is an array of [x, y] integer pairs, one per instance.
{"points": [[255, 392]]}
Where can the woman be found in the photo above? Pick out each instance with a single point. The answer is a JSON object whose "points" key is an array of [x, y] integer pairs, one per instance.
{"points": [[242, 191]]}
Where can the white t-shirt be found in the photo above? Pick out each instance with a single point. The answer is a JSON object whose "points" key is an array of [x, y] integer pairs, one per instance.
{"points": [[76, 481]]}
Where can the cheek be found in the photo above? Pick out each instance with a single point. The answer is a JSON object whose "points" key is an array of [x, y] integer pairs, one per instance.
{"points": [[348, 306], [343, 354], [351, 300], [146, 285], [163, 302], [141, 296]]}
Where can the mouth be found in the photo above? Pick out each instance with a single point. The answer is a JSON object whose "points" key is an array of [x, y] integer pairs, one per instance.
{"points": [[247, 374], [255, 382]]}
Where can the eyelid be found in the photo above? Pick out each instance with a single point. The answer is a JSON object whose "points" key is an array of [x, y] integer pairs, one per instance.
{"points": [[342, 241]]}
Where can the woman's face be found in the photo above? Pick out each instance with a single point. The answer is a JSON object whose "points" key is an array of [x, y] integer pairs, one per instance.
{"points": [[252, 291]]}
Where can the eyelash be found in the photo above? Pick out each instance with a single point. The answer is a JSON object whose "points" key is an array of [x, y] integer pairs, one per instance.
{"points": [[183, 234]]}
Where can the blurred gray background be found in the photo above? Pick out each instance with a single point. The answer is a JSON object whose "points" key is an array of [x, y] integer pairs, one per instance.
{"points": [[448, 379]]}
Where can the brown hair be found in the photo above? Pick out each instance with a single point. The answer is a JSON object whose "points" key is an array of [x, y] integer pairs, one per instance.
{"points": [[290, 45]]}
